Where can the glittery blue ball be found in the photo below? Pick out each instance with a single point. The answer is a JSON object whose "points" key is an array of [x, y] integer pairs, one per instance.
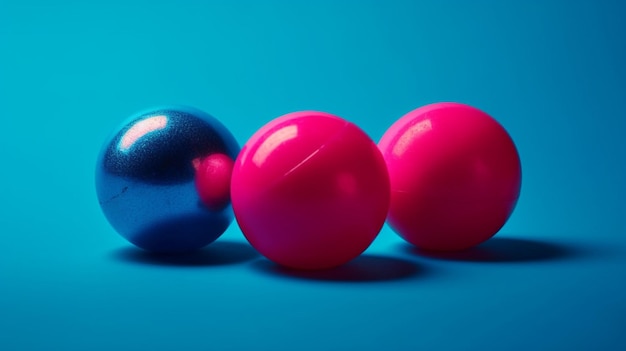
{"points": [[145, 179]]}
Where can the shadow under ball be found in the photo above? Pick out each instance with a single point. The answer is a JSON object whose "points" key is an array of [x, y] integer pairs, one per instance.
{"points": [[310, 190], [455, 176], [163, 179]]}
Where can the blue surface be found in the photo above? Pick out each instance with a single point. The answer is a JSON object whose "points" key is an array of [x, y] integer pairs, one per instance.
{"points": [[552, 72]]}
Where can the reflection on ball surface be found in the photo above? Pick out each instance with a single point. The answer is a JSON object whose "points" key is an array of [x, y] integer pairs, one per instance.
{"points": [[163, 179]]}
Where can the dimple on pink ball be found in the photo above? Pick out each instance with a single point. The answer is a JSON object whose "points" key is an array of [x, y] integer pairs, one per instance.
{"points": [[310, 190], [455, 176]]}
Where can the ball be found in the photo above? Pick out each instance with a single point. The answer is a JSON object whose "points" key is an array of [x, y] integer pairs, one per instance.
{"points": [[310, 190], [163, 179], [455, 176]]}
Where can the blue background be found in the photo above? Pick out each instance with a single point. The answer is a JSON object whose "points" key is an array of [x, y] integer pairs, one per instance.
{"points": [[552, 72]]}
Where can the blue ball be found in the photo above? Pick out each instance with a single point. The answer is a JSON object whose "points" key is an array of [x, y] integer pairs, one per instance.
{"points": [[145, 179]]}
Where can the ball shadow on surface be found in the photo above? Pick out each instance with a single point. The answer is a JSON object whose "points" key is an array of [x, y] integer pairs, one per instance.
{"points": [[502, 250], [365, 268], [216, 254]]}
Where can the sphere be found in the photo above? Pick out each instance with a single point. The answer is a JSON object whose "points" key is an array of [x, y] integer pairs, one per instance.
{"points": [[310, 190], [163, 179], [455, 176]]}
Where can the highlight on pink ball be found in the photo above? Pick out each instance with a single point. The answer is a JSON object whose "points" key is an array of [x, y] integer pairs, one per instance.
{"points": [[455, 176], [213, 180], [310, 190]]}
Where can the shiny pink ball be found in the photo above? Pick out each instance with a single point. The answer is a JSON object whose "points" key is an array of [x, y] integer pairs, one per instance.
{"points": [[310, 190], [455, 176]]}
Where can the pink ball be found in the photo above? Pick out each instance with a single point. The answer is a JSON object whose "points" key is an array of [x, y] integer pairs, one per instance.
{"points": [[310, 190], [455, 176]]}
